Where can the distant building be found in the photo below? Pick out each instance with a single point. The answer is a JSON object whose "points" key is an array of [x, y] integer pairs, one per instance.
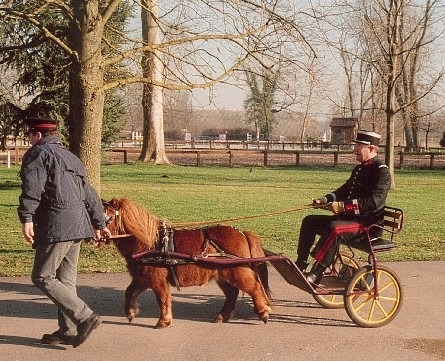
{"points": [[200, 123], [343, 130]]}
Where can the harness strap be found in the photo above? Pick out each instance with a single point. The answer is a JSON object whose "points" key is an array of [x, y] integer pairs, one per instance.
{"points": [[165, 245], [209, 241], [164, 242]]}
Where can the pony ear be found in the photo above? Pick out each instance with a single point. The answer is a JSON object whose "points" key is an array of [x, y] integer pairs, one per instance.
{"points": [[114, 202]]}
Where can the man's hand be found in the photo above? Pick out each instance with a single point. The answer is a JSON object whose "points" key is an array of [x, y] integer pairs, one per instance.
{"points": [[320, 201], [28, 232], [102, 233], [336, 207]]}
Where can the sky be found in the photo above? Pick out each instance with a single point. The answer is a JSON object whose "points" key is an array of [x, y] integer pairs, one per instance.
{"points": [[232, 98], [223, 97]]}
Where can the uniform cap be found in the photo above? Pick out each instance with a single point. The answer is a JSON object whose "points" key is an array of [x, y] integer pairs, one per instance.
{"points": [[41, 124], [369, 138]]}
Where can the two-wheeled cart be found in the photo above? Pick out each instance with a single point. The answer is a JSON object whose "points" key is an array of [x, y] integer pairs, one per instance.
{"points": [[372, 294]]}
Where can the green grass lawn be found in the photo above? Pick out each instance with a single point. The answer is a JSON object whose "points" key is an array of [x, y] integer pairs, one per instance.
{"points": [[208, 194]]}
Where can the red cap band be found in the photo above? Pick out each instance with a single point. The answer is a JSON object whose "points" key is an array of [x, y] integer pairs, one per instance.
{"points": [[41, 123]]}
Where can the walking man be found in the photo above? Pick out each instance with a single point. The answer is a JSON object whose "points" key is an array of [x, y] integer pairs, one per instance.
{"points": [[58, 209]]}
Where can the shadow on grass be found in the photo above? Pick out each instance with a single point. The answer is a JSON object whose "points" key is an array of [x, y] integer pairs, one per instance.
{"points": [[9, 185]]}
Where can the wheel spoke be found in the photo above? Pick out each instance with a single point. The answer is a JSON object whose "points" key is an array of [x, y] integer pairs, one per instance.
{"points": [[386, 286], [371, 310], [364, 283], [379, 305], [361, 304], [340, 272], [386, 298]]}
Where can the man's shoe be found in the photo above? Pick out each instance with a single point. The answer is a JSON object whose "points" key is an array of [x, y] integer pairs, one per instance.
{"points": [[57, 338], [85, 328], [311, 277], [316, 273]]}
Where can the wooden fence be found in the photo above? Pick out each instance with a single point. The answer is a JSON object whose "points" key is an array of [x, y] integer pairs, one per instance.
{"points": [[230, 158], [254, 157]]}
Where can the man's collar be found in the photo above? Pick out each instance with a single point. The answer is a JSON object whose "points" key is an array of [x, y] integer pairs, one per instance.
{"points": [[369, 161]]}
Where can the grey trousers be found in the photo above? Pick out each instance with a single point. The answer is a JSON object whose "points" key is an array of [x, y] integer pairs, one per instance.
{"points": [[55, 274]]}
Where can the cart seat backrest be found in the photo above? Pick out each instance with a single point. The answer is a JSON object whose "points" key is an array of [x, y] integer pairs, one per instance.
{"points": [[393, 219], [392, 224]]}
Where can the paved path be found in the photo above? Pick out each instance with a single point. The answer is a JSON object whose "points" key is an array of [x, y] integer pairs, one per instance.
{"points": [[298, 329]]}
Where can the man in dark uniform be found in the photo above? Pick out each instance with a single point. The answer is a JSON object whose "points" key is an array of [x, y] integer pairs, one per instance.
{"points": [[360, 200], [58, 208]]}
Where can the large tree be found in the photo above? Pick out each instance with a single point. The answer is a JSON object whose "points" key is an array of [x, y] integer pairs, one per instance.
{"points": [[201, 43], [152, 96], [59, 36]]}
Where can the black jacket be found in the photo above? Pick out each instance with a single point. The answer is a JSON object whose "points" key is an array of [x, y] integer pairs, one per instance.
{"points": [[364, 193], [56, 195]]}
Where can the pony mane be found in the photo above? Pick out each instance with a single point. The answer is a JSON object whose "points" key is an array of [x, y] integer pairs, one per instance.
{"points": [[139, 222]]}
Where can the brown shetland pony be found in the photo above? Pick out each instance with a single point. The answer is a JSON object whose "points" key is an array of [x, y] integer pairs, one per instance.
{"points": [[125, 217]]}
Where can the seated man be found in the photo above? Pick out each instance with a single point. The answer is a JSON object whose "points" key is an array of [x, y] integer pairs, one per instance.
{"points": [[361, 200]]}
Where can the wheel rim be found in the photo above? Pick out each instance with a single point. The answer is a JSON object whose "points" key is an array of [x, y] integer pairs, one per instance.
{"points": [[361, 302]]}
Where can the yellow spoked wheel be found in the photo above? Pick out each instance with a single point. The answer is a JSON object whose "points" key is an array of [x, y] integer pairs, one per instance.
{"points": [[366, 307], [340, 272]]}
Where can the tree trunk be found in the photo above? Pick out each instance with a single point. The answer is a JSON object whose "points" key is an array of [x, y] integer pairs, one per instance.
{"points": [[87, 94], [153, 147], [389, 110]]}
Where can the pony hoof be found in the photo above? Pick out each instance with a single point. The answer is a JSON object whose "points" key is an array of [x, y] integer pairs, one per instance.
{"points": [[218, 319], [265, 318], [163, 324], [131, 316], [223, 318]]}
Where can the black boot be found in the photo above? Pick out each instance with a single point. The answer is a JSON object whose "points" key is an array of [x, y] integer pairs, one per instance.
{"points": [[301, 265], [316, 273]]}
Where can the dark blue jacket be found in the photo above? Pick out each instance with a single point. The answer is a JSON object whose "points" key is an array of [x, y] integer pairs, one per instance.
{"points": [[56, 195]]}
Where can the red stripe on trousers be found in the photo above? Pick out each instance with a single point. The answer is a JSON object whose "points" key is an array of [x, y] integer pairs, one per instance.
{"points": [[336, 231]]}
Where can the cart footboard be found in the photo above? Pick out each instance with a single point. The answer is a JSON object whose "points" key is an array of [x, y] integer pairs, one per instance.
{"points": [[288, 270]]}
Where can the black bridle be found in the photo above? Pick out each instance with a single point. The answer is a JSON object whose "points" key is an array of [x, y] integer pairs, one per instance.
{"points": [[108, 218]]}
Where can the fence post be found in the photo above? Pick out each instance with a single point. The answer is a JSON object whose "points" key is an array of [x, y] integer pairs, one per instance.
{"points": [[230, 159], [16, 156], [198, 158], [432, 161], [297, 158], [265, 158], [401, 160], [335, 159], [8, 157]]}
